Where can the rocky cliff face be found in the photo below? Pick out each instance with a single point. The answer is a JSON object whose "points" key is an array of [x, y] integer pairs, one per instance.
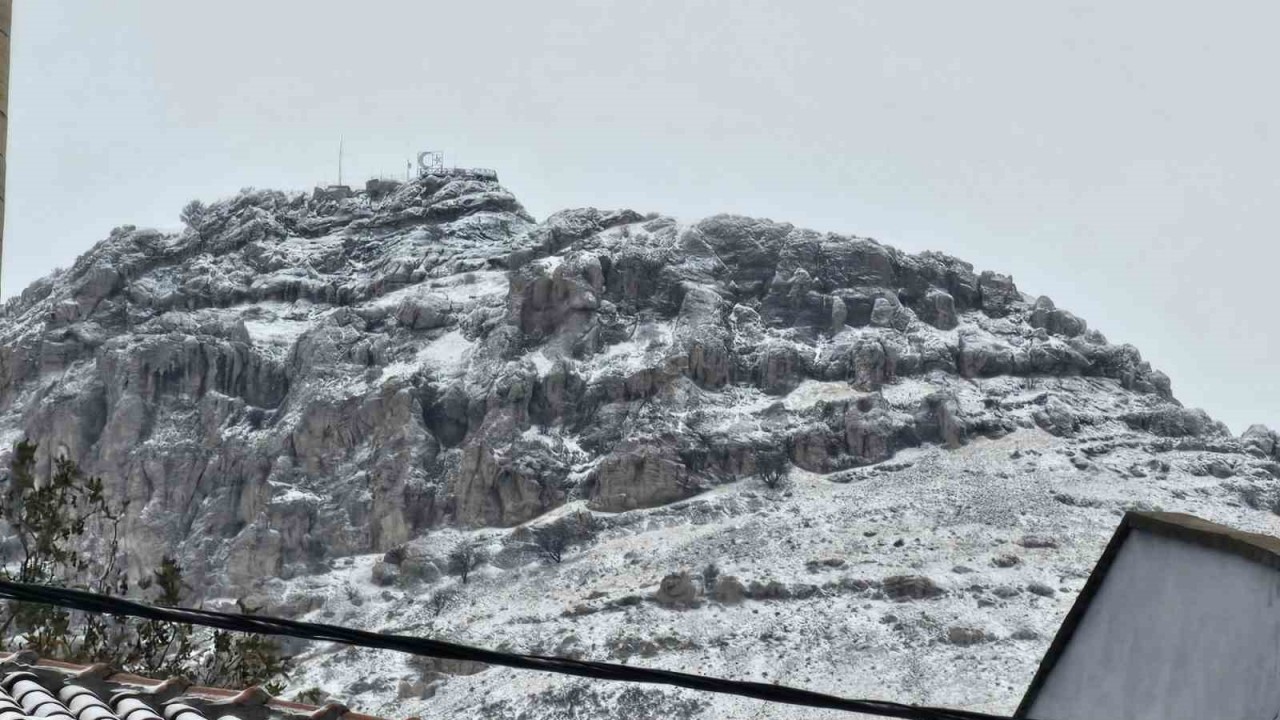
{"points": [[294, 379]]}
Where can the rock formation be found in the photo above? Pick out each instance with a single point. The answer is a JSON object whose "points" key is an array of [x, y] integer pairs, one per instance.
{"points": [[295, 377], [298, 379]]}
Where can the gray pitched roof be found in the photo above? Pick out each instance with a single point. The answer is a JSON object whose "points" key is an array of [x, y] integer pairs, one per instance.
{"points": [[1255, 547]]}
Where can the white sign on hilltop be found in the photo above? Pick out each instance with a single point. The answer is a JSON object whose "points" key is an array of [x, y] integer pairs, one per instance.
{"points": [[430, 162]]}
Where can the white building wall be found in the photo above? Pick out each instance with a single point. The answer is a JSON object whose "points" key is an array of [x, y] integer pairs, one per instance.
{"points": [[1176, 632]]}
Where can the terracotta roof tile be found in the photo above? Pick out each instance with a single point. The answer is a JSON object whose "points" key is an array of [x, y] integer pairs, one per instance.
{"points": [[32, 687]]}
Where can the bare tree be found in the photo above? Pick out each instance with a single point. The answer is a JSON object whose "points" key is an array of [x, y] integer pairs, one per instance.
{"points": [[465, 558], [552, 540], [773, 469]]}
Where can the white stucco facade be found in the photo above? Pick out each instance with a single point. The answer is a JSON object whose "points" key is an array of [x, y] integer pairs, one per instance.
{"points": [[1177, 631]]}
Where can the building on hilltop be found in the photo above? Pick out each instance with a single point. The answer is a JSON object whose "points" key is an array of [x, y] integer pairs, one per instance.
{"points": [[431, 162]]}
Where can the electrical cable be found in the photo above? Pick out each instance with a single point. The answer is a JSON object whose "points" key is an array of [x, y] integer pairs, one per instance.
{"points": [[102, 604]]}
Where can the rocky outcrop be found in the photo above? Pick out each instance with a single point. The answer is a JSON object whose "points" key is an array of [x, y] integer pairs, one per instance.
{"points": [[294, 377], [1059, 322], [638, 475], [491, 491], [1262, 441], [1171, 421]]}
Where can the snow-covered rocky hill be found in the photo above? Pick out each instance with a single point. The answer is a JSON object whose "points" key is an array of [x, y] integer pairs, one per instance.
{"points": [[312, 399]]}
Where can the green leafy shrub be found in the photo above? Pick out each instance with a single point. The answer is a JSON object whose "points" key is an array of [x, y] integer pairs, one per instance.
{"points": [[61, 530]]}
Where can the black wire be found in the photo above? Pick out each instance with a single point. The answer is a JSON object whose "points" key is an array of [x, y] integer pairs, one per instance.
{"points": [[103, 604]]}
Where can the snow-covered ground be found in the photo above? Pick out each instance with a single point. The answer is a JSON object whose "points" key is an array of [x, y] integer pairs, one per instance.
{"points": [[1009, 529]]}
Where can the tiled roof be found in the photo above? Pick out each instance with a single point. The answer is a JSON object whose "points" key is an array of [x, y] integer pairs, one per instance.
{"points": [[32, 688]]}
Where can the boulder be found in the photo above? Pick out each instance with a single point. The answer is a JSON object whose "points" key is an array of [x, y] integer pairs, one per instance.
{"points": [[1059, 322], [677, 590], [998, 293], [1261, 439], [421, 569], [966, 636], [887, 312], [904, 588], [1056, 417], [938, 308], [938, 420], [983, 356], [425, 312], [1036, 542], [1039, 588]]}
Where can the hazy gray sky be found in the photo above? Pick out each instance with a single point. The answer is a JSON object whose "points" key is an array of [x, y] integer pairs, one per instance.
{"points": [[1118, 157]]}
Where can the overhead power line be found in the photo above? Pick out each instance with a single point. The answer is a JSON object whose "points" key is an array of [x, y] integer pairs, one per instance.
{"points": [[103, 604]]}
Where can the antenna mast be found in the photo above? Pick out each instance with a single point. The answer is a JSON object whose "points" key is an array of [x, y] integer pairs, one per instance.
{"points": [[339, 160]]}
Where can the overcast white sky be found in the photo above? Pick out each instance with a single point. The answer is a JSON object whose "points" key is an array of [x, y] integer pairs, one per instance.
{"points": [[1118, 157]]}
